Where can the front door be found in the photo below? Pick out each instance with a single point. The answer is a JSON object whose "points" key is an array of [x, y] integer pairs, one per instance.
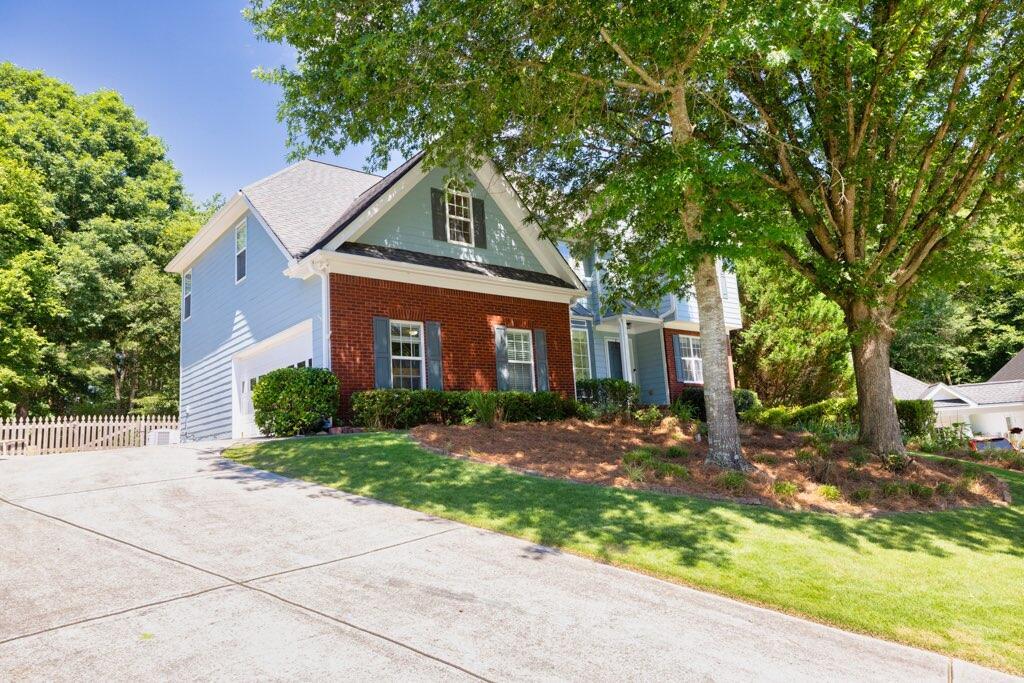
{"points": [[615, 359]]}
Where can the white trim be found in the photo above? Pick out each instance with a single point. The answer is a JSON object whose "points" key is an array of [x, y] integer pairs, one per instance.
{"points": [[187, 275], [572, 350], [415, 274], [325, 314], [448, 191], [533, 356], [422, 358], [940, 387], [371, 214], [242, 225], [664, 368]]}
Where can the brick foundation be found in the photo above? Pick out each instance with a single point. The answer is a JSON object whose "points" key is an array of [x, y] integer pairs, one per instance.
{"points": [[675, 386], [467, 322]]}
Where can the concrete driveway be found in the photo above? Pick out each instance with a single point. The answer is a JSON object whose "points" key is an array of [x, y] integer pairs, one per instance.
{"points": [[175, 563]]}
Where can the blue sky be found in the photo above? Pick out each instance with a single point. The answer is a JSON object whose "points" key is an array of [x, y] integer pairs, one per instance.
{"points": [[184, 65]]}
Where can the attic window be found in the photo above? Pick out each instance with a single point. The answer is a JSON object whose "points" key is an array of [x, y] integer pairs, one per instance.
{"points": [[459, 217], [241, 242]]}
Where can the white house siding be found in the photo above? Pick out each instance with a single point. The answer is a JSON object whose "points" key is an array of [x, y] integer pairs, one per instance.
{"points": [[228, 318], [987, 421]]}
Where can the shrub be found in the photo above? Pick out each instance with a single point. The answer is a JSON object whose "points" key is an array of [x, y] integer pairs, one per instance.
{"points": [[745, 400], [891, 489], [670, 469], [733, 481], [684, 411], [766, 458], [945, 489], [920, 491], [859, 456], [917, 418], [405, 408], [1013, 461], [676, 452], [637, 473], [830, 492], [294, 401], [538, 406], [690, 403], [608, 395], [896, 462], [639, 456], [785, 489], [585, 411], [484, 405], [647, 417], [804, 456], [861, 495]]}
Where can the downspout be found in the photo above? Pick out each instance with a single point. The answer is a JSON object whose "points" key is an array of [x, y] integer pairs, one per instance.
{"points": [[323, 270]]}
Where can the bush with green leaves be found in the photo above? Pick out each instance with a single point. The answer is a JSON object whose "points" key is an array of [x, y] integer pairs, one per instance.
{"points": [[293, 401], [735, 482], [830, 492], [607, 395], [945, 489], [648, 417], [891, 489], [861, 495], [745, 400], [676, 452], [689, 404], [944, 439], [917, 418], [920, 491], [896, 462], [405, 408], [485, 406], [785, 489]]}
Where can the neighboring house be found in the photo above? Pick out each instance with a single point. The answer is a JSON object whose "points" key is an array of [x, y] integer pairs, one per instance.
{"points": [[1014, 369], [988, 408], [408, 280]]}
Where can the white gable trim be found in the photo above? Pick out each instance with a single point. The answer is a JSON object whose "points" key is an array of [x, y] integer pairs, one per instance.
{"points": [[226, 218], [498, 187], [930, 395]]}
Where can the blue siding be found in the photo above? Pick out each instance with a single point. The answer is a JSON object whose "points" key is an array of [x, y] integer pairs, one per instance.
{"points": [[408, 225], [228, 318], [650, 363]]}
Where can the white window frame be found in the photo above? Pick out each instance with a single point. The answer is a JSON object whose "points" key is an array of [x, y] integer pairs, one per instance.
{"points": [[448, 194], [422, 358], [531, 362], [186, 294], [242, 227], [695, 364], [586, 347]]}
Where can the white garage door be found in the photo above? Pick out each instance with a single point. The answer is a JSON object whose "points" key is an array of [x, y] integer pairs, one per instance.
{"points": [[291, 348]]}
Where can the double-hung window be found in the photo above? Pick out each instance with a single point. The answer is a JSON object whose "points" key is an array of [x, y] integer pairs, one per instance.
{"points": [[693, 366], [519, 344], [186, 295], [241, 241], [407, 355], [459, 216], [580, 354]]}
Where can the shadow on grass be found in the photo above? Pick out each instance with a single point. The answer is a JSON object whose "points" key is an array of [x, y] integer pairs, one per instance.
{"points": [[605, 521]]}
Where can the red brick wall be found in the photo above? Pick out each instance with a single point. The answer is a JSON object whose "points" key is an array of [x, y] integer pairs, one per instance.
{"points": [[675, 386], [467, 322]]}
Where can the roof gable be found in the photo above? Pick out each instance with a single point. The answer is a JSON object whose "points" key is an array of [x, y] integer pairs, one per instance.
{"points": [[1013, 370]]}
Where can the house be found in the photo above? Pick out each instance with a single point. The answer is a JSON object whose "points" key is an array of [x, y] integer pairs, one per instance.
{"points": [[410, 280], [990, 408]]}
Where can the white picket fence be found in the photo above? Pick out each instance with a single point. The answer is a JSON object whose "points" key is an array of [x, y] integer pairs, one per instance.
{"points": [[41, 435]]}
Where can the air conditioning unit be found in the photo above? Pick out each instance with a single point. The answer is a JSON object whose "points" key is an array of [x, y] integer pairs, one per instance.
{"points": [[163, 437]]}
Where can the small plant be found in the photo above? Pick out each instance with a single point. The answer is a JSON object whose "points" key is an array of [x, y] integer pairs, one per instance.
{"points": [[804, 456], [586, 412], [685, 412], [829, 492], [647, 417], [733, 481], [484, 405], [643, 457], [671, 469], [861, 495], [896, 462], [825, 470], [945, 489], [891, 489], [920, 491], [858, 456], [964, 484], [635, 473], [1013, 461], [785, 489], [766, 459], [676, 452]]}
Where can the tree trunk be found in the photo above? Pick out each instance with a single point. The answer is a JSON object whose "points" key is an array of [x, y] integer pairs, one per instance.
{"points": [[879, 425], [723, 427]]}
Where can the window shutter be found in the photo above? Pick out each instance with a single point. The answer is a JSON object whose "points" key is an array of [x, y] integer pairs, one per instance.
{"points": [[677, 352], [501, 357], [540, 358], [593, 354], [381, 352], [433, 340], [479, 224], [437, 213]]}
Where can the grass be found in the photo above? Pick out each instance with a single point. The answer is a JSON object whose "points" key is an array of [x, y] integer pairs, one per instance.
{"points": [[947, 581]]}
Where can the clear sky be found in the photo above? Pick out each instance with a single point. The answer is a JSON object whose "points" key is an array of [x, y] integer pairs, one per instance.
{"points": [[184, 65]]}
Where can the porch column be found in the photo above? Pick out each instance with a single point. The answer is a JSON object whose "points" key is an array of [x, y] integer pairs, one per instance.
{"points": [[627, 361]]}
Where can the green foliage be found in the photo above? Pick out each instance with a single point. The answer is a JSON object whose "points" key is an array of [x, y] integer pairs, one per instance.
{"points": [[485, 406], [793, 347], [405, 408], [635, 473], [648, 417], [892, 489], [916, 417], [944, 439], [859, 456], [294, 401], [689, 404], [920, 491], [785, 489], [861, 495], [896, 462], [733, 481], [676, 452], [945, 489], [639, 456], [829, 492], [607, 395], [670, 469], [744, 400]]}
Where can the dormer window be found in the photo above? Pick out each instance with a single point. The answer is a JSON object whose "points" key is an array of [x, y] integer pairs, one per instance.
{"points": [[459, 217], [241, 242]]}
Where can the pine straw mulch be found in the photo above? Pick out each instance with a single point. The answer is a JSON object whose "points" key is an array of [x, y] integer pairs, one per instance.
{"points": [[592, 452]]}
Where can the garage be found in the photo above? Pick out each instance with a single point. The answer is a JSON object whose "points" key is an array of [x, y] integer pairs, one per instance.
{"points": [[291, 348]]}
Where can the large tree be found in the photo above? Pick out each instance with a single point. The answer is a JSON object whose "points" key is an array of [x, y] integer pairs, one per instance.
{"points": [[587, 106], [90, 210], [890, 129]]}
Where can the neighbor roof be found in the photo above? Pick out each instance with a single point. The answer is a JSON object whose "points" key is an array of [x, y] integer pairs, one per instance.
{"points": [[989, 393], [1014, 369], [303, 201], [905, 387]]}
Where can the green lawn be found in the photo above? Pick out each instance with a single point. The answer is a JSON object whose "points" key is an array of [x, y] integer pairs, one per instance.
{"points": [[946, 581]]}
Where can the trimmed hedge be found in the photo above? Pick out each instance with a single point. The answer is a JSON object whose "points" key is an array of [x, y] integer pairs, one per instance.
{"points": [[294, 401], [405, 408], [916, 417], [608, 395], [745, 400]]}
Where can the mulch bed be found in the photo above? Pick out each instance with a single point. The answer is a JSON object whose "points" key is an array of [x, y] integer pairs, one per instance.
{"points": [[592, 452]]}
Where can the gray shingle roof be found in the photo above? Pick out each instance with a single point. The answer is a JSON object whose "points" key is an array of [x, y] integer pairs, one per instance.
{"points": [[1014, 369], [988, 393], [303, 201], [423, 259], [905, 387]]}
